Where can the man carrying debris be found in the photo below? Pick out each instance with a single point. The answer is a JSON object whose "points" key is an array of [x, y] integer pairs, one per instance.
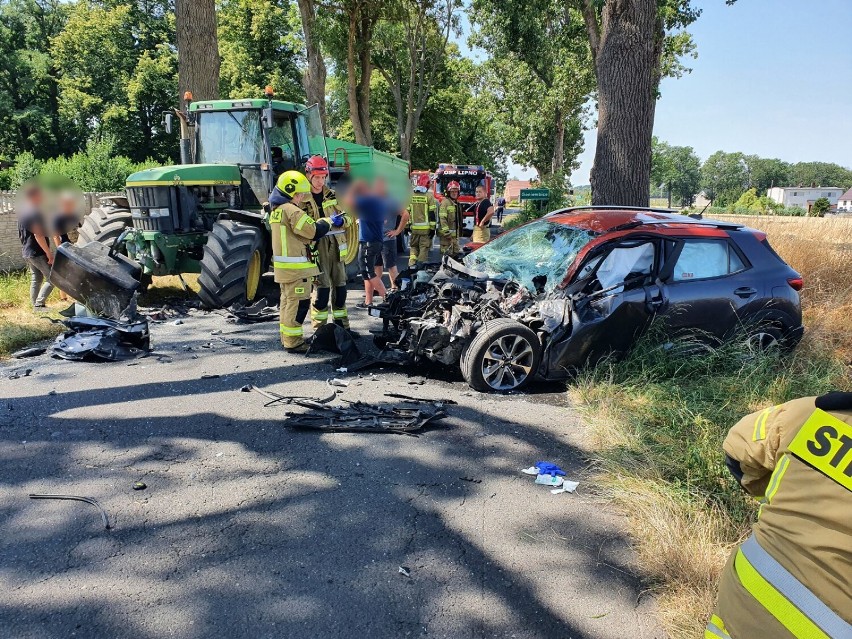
{"points": [[449, 220], [791, 578], [35, 247], [292, 231], [421, 210], [330, 252]]}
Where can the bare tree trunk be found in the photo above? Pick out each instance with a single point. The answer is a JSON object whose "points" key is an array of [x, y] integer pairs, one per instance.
{"points": [[315, 73], [558, 143], [626, 51], [358, 88], [198, 49]]}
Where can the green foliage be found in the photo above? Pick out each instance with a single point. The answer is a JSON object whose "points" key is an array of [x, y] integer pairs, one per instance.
{"points": [[97, 168], [821, 207], [724, 176], [820, 174], [764, 173], [259, 41], [677, 168], [6, 177], [749, 201]]}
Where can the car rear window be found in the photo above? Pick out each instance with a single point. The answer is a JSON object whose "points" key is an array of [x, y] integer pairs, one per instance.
{"points": [[705, 259]]}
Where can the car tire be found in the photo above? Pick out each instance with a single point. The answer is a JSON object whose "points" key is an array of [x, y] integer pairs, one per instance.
{"points": [[503, 356], [232, 265], [103, 225], [764, 337]]}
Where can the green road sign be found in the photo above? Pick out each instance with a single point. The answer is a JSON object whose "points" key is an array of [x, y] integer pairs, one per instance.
{"points": [[535, 194]]}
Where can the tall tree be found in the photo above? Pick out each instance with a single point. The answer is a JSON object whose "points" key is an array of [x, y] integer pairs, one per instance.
{"points": [[423, 28], [198, 48], [820, 174], [540, 74], [258, 44], [629, 49], [764, 173], [361, 17], [724, 177], [314, 74], [677, 169]]}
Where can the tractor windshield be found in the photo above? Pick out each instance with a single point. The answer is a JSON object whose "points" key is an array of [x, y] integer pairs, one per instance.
{"points": [[229, 137]]}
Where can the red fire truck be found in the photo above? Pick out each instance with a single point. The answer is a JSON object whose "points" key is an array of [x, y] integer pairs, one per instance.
{"points": [[469, 176]]}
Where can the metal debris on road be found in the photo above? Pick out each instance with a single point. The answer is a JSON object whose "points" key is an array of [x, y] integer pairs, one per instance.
{"points": [[177, 322], [88, 500], [260, 311], [360, 417], [308, 402], [409, 398], [20, 374], [405, 571], [337, 382], [100, 339]]}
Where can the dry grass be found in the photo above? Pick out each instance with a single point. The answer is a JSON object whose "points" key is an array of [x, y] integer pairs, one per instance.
{"points": [[657, 425]]}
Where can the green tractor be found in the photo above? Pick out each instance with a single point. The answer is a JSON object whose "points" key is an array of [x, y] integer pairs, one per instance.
{"points": [[206, 215]]}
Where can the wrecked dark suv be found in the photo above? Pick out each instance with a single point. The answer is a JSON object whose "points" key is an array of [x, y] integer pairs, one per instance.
{"points": [[581, 284]]}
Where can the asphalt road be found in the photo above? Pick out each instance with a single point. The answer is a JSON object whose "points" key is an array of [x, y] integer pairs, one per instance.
{"points": [[248, 529]]}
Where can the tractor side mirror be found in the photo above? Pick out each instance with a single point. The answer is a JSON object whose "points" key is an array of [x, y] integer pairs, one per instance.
{"points": [[167, 122], [268, 121]]}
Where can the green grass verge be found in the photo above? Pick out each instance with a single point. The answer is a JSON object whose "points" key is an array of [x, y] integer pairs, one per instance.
{"points": [[19, 325], [657, 422]]}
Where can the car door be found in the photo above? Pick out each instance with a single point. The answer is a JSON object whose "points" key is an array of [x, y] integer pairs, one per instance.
{"points": [[614, 299], [702, 289]]}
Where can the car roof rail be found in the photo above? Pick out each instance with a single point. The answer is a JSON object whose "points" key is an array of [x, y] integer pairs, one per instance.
{"points": [[610, 207]]}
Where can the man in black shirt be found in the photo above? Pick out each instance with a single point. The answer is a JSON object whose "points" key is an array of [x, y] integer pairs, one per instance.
{"points": [[34, 246]]}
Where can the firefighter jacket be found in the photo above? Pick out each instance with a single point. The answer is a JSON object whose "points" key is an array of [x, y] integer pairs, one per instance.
{"points": [[331, 245], [422, 212], [292, 231], [793, 576], [449, 217]]}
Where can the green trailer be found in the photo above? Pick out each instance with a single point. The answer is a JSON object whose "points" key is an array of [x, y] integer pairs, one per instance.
{"points": [[206, 214]]}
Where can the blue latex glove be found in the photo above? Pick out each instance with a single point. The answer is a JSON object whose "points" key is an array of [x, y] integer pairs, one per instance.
{"points": [[546, 468], [337, 220]]}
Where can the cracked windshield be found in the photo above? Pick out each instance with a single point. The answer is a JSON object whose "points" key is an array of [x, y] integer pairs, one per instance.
{"points": [[230, 137], [539, 248]]}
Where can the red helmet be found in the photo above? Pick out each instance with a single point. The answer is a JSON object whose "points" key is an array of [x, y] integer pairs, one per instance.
{"points": [[423, 179], [453, 186], [316, 166]]}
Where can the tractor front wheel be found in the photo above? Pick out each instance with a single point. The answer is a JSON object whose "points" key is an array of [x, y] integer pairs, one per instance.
{"points": [[232, 264], [104, 224]]}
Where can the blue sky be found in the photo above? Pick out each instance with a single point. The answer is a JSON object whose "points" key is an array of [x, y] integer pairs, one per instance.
{"points": [[773, 78]]}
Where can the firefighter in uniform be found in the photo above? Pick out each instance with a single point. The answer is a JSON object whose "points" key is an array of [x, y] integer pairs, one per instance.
{"points": [[449, 221], [793, 576], [292, 231], [331, 251], [422, 212]]}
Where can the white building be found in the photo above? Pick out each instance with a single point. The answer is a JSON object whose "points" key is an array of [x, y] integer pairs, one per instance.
{"points": [[845, 201], [804, 196]]}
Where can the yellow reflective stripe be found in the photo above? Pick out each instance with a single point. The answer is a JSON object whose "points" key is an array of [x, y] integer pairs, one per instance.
{"points": [[716, 629], [291, 331], [305, 219], [319, 315], [760, 424], [777, 474], [774, 602], [329, 203], [294, 266], [424, 226], [299, 290], [339, 313]]}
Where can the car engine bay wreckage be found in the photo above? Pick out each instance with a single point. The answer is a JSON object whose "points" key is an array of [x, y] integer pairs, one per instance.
{"points": [[500, 315]]}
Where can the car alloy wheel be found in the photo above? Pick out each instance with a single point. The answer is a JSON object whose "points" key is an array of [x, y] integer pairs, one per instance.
{"points": [[507, 362]]}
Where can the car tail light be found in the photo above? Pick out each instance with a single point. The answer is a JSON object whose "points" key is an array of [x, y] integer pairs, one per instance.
{"points": [[796, 283]]}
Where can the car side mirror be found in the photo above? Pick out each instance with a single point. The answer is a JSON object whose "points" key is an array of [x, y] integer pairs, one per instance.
{"points": [[268, 120], [167, 122]]}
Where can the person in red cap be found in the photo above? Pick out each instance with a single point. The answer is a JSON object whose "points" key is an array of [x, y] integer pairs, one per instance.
{"points": [[450, 220], [330, 251]]}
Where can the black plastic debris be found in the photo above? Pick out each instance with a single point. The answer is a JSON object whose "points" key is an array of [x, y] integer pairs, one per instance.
{"points": [[88, 500], [364, 418], [260, 311], [29, 352], [97, 276], [100, 339], [335, 339], [140, 485]]}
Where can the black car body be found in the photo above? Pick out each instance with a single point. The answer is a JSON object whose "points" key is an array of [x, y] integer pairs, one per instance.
{"points": [[581, 284]]}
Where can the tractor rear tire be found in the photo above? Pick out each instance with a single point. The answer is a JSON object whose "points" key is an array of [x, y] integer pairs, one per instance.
{"points": [[103, 225], [232, 265]]}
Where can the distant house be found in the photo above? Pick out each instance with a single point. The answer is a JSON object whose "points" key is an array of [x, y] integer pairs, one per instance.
{"points": [[844, 203], [804, 196], [512, 193], [701, 201]]}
